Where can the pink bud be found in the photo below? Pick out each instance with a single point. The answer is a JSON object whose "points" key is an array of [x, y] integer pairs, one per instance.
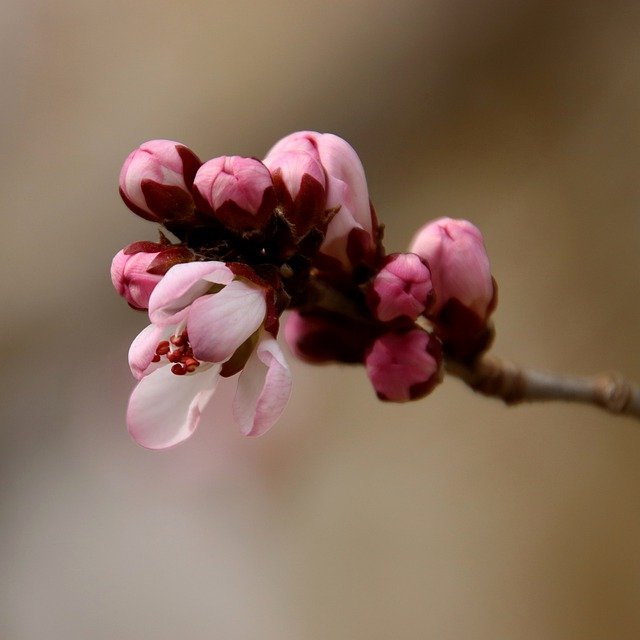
{"points": [[461, 275], [324, 337], [237, 191], [402, 288], [300, 184], [404, 366], [131, 279], [455, 253], [156, 179], [349, 236]]}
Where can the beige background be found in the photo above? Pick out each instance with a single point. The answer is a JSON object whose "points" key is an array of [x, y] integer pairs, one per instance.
{"points": [[451, 518]]}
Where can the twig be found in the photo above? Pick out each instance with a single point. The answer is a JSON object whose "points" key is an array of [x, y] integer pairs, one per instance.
{"points": [[513, 385]]}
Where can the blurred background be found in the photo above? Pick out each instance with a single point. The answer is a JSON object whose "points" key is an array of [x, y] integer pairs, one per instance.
{"points": [[453, 517]]}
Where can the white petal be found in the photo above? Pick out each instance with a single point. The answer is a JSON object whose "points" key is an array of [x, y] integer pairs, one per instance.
{"points": [[181, 285], [219, 323], [164, 409], [143, 348], [264, 388]]}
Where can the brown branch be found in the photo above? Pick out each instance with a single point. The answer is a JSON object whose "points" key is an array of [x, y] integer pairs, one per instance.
{"points": [[513, 385]]}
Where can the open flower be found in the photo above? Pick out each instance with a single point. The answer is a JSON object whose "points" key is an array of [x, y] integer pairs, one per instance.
{"points": [[206, 323]]}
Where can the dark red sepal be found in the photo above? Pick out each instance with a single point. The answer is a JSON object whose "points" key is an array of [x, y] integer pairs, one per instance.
{"points": [[190, 163], [168, 202], [143, 246], [168, 258], [137, 210]]}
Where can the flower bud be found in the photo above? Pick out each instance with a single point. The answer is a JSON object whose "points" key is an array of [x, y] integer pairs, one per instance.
{"points": [[131, 279], [349, 236], [465, 292], [300, 182], [237, 191], [156, 179], [324, 337], [401, 289], [404, 366]]}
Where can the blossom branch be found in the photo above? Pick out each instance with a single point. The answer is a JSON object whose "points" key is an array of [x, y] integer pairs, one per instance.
{"points": [[512, 384]]}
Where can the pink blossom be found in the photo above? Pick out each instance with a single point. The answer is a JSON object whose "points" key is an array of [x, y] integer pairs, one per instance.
{"points": [[156, 179], [237, 191], [350, 233], [401, 289], [404, 366], [206, 323], [131, 279]]}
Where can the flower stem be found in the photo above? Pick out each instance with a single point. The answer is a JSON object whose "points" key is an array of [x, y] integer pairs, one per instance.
{"points": [[512, 384]]}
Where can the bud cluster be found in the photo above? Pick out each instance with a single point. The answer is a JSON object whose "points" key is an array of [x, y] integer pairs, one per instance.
{"points": [[296, 231]]}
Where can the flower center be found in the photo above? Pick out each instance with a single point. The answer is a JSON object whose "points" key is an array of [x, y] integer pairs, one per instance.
{"points": [[178, 351]]}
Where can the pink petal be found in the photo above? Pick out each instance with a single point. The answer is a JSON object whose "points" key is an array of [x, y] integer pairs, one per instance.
{"points": [[219, 323], [182, 284], [143, 348], [164, 409], [264, 388]]}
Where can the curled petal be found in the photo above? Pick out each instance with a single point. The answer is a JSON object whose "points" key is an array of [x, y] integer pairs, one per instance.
{"points": [[182, 284], [219, 323], [143, 348], [263, 390], [164, 409]]}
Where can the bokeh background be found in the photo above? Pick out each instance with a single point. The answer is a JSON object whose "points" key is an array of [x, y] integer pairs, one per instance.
{"points": [[453, 517]]}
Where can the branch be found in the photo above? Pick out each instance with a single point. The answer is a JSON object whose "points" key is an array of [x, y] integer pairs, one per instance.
{"points": [[513, 385]]}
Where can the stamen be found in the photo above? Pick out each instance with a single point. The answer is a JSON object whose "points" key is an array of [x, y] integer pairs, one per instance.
{"points": [[177, 351], [163, 348], [179, 340], [175, 355]]}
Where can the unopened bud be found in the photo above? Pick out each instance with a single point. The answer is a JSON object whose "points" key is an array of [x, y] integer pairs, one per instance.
{"points": [[132, 280], [156, 179], [300, 184], [401, 289], [465, 292], [404, 366], [349, 237], [237, 191]]}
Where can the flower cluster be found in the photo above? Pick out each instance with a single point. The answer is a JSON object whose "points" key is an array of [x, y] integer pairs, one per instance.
{"points": [[295, 231]]}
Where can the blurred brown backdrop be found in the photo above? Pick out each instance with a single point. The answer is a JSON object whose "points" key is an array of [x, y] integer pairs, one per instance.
{"points": [[449, 518]]}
